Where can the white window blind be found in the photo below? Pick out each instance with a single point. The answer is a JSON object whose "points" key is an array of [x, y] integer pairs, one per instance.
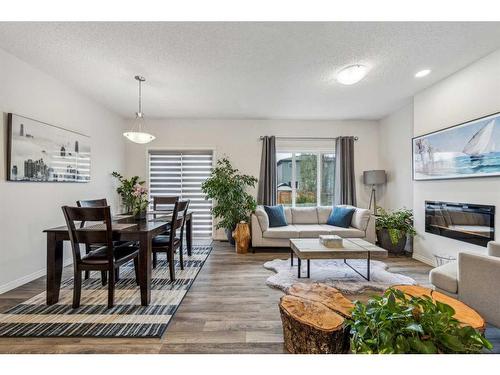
{"points": [[181, 173]]}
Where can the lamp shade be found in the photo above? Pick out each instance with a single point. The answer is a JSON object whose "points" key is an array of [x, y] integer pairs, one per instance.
{"points": [[375, 177]]}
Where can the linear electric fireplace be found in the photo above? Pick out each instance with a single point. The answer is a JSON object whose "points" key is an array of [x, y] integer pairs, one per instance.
{"points": [[472, 223]]}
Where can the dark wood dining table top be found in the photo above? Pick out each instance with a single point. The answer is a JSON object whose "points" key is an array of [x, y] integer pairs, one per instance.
{"points": [[143, 225]]}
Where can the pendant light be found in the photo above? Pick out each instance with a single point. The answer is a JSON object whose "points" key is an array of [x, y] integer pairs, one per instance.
{"points": [[138, 133]]}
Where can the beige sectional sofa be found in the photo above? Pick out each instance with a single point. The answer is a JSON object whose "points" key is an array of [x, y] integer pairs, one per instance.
{"points": [[308, 222], [473, 279]]}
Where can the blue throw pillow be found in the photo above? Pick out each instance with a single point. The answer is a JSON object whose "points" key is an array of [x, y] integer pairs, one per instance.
{"points": [[276, 215], [341, 216]]}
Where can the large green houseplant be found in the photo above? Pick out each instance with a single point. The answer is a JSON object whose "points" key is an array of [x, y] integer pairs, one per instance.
{"points": [[395, 323], [228, 188], [393, 228]]}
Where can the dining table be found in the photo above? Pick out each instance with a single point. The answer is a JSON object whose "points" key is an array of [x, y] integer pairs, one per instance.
{"points": [[142, 231]]}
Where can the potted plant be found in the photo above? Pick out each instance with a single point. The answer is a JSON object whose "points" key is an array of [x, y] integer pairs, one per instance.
{"points": [[227, 187], [126, 190], [393, 228], [395, 323]]}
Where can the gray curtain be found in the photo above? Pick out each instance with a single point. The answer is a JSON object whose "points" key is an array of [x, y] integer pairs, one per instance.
{"points": [[267, 182], [345, 179]]}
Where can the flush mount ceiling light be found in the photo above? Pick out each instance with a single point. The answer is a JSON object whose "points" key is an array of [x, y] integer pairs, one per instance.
{"points": [[352, 74], [138, 133], [422, 73]]}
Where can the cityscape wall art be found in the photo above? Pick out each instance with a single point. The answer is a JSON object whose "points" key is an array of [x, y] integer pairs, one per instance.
{"points": [[471, 149], [39, 152]]}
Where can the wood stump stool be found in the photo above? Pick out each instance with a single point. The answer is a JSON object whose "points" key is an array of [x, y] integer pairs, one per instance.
{"points": [[313, 317]]}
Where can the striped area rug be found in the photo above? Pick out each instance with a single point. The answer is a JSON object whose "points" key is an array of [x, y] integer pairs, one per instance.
{"points": [[33, 318]]}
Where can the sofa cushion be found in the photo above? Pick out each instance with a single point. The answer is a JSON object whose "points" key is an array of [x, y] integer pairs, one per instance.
{"points": [[288, 215], [323, 214], [262, 218], [360, 218], [290, 231], [311, 230], [341, 216], [350, 232], [276, 215], [445, 277], [304, 215]]}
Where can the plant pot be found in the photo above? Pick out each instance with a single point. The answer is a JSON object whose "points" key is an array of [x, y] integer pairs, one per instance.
{"points": [[229, 235], [385, 242], [140, 215]]}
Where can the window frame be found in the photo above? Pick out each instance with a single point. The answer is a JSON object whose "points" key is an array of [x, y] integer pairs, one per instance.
{"points": [[316, 151]]}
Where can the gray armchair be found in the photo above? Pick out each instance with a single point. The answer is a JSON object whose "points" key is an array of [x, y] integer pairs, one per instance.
{"points": [[475, 280]]}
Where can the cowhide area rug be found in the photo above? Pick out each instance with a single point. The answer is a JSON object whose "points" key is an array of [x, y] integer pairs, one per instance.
{"points": [[336, 274]]}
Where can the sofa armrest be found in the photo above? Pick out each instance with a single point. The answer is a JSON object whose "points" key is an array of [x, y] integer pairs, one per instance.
{"points": [[257, 237], [478, 284], [370, 232]]}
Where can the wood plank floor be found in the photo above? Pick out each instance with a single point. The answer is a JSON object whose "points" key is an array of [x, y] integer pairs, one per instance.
{"points": [[229, 309]]}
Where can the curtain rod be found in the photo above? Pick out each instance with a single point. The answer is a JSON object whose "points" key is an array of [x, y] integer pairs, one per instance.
{"points": [[309, 138]]}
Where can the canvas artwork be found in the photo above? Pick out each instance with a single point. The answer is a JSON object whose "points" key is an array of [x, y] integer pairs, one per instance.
{"points": [[471, 149], [41, 152]]}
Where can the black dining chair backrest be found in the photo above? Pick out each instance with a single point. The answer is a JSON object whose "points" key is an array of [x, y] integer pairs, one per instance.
{"points": [[163, 201], [89, 236], [92, 203]]}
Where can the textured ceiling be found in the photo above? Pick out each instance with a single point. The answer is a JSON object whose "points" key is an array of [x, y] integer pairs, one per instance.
{"points": [[249, 70]]}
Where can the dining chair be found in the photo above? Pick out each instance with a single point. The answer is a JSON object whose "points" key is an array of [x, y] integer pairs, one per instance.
{"points": [[170, 243], [163, 201], [98, 203], [106, 258], [183, 225]]}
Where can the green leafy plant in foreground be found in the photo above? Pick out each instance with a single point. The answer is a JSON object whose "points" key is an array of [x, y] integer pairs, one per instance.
{"points": [[395, 323]]}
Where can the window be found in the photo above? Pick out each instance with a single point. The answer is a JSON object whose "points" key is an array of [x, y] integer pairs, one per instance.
{"points": [[305, 178], [181, 173]]}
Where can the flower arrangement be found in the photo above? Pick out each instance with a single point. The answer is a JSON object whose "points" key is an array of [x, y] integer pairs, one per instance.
{"points": [[133, 194], [140, 202]]}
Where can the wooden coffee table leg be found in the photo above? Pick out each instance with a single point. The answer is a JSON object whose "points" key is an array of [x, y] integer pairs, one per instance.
{"points": [[298, 268], [291, 257], [308, 268]]}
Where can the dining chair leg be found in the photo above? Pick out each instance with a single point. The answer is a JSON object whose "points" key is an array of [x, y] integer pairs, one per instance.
{"points": [[77, 288], [181, 257], [87, 275], [155, 259], [136, 269], [104, 277], [111, 289], [170, 257]]}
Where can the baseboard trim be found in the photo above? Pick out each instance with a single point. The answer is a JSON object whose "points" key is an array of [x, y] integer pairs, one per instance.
{"points": [[26, 279], [424, 259]]}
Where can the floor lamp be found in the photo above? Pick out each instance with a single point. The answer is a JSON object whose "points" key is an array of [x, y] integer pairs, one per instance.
{"points": [[374, 177]]}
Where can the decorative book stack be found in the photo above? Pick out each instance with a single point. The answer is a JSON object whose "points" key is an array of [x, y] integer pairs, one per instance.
{"points": [[331, 240]]}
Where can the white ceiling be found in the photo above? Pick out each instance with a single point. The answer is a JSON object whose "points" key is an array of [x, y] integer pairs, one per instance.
{"points": [[249, 70]]}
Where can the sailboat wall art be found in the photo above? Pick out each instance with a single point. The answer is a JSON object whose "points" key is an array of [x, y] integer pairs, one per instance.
{"points": [[471, 149]]}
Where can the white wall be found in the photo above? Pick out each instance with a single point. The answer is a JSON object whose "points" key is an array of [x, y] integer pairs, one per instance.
{"points": [[468, 94], [239, 139], [28, 208], [396, 131]]}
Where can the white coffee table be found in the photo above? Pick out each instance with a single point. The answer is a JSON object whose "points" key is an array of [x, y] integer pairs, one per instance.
{"points": [[354, 248]]}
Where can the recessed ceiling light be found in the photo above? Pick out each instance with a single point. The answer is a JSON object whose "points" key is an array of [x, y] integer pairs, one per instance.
{"points": [[422, 73], [352, 74]]}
